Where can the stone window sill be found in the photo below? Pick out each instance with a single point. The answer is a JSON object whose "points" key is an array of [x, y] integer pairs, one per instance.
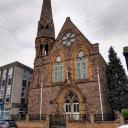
{"points": [[58, 83], [84, 81], [81, 81]]}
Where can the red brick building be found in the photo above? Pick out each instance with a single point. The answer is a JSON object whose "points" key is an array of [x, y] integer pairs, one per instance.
{"points": [[69, 72]]}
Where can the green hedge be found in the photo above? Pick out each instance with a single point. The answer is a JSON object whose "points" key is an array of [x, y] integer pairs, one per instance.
{"points": [[125, 114]]}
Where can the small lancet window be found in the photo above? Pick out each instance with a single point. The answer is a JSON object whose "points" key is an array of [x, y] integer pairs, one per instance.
{"points": [[58, 70], [81, 65], [41, 49], [41, 27], [47, 26], [46, 47]]}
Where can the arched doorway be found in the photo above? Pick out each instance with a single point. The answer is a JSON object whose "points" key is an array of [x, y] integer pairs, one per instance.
{"points": [[71, 105]]}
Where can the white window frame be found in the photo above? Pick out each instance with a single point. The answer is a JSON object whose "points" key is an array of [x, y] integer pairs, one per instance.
{"points": [[2, 95], [10, 71], [8, 90], [71, 104], [58, 70], [9, 77], [81, 71]]}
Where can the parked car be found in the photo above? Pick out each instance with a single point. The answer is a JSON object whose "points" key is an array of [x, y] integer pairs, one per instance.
{"points": [[8, 124], [123, 126]]}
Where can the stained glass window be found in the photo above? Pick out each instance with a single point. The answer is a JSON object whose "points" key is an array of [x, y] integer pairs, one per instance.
{"points": [[58, 70], [81, 64], [71, 103]]}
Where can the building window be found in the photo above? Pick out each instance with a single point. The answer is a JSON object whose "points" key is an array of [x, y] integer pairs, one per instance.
{"points": [[71, 103], [58, 70], [22, 100], [4, 72], [22, 95], [23, 89], [24, 77], [7, 99], [2, 93], [8, 91], [9, 81], [3, 82], [24, 83], [81, 64], [10, 71], [68, 108], [46, 49]]}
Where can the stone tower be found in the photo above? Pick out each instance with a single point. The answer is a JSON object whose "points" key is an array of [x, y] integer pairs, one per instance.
{"points": [[43, 45], [65, 78], [46, 31]]}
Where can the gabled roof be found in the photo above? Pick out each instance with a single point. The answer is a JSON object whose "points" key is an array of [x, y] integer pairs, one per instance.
{"points": [[70, 26]]}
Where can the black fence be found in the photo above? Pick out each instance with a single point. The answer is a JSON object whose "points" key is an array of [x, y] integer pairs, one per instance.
{"points": [[18, 117], [106, 117], [79, 117], [57, 121], [61, 119], [37, 117]]}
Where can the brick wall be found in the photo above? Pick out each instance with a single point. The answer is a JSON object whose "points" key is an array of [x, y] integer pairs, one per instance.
{"points": [[96, 125], [74, 124], [24, 124]]}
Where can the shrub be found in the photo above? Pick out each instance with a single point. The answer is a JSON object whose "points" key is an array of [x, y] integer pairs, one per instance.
{"points": [[125, 114]]}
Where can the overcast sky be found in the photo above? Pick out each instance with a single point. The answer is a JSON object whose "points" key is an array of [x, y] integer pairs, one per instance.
{"points": [[101, 21]]}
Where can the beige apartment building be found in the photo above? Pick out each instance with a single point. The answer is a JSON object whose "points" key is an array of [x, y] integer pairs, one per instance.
{"points": [[14, 83]]}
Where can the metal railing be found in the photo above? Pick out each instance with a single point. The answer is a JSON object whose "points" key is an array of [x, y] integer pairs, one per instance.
{"points": [[18, 117], [78, 117], [57, 120], [37, 117], [106, 117], [69, 117]]}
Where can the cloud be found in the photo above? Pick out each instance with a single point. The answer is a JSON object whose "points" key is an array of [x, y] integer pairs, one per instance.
{"points": [[18, 31], [102, 21]]}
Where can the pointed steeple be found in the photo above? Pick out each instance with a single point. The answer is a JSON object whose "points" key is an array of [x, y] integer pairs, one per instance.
{"points": [[46, 24]]}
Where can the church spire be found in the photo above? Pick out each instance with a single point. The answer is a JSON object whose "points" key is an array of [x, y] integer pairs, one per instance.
{"points": [[46, 24]]}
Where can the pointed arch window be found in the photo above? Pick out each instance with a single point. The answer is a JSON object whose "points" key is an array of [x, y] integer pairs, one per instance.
{"points": [[58, 70], [71, 103], [81, 65]]}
